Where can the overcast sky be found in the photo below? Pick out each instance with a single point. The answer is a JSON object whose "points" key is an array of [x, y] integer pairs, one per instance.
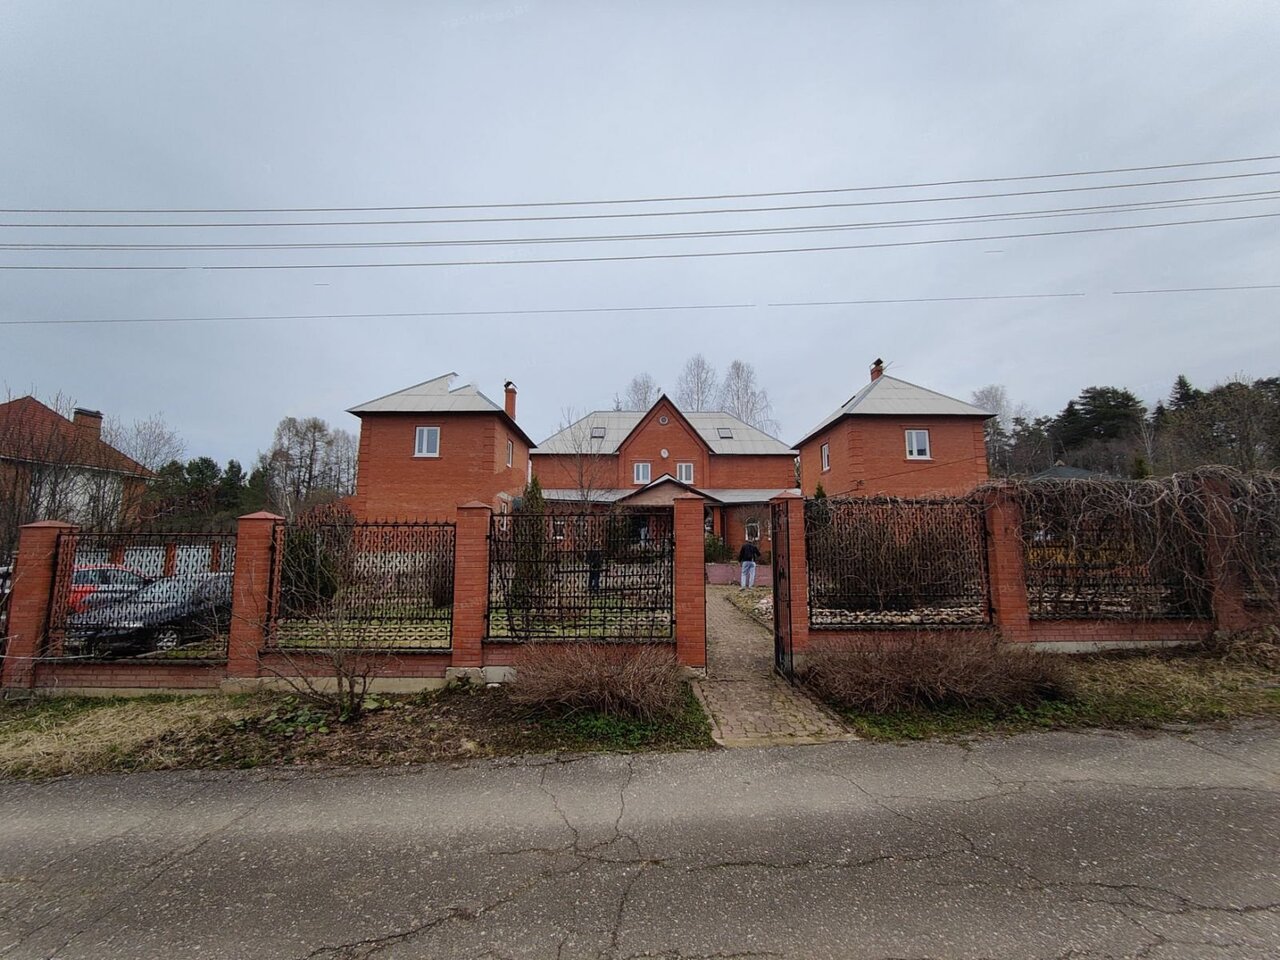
{"points": [[271, 104]]}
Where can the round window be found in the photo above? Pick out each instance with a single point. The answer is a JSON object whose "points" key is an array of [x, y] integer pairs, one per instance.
{"points": [[665, 454], [664, 420]]}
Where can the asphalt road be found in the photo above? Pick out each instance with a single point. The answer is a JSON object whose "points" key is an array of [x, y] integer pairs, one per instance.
{"points": [[1042, 846]]}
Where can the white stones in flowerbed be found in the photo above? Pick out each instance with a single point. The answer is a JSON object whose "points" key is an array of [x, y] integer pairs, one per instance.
{"points": [[933, 616]]}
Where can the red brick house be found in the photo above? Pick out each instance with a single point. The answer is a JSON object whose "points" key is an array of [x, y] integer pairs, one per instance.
{"points": [[894, 437], [54, 468], [647, 457], [428, 448]]}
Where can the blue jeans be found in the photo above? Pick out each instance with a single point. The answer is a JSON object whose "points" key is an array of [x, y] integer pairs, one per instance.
{"points": [[748, 573]]}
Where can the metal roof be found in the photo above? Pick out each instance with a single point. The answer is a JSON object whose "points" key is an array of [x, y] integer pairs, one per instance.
{"points": [[618, 424], [725, 496], [889, 396], [432, 396]]}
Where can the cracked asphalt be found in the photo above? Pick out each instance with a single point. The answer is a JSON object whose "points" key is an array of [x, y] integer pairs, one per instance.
{"points": [[1059, 845]]}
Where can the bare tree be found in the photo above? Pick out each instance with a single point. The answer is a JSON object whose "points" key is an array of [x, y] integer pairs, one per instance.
{"points": [[591, 467], [698, 387], [150, 442], [308, 463], [742, 396], [642, 392]]}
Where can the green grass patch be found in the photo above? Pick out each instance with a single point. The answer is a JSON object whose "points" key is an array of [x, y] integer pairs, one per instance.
{"points": [[1128, 691]]}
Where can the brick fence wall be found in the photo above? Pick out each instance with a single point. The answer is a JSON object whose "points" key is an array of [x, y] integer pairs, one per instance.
{"points": [[1008, 598], [251, 659]]}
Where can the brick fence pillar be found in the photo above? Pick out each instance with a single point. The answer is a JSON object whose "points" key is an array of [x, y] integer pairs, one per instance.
{"points": [[29, 600], [1006, 576], [690, 580], [251, 586], [796, 625], [1225, 577], [470, 584]]}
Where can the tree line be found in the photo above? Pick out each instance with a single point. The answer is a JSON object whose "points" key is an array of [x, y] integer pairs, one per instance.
{"points": [[700, 387], [1108, 430]]}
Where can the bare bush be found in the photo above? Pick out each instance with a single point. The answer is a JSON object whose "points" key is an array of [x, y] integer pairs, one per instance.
{"points": [[617, 681], [922, 670], [1258, 647]]}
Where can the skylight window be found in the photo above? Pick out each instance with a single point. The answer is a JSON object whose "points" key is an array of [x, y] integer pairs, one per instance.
{"points": [[597, 433], [724, 433]]}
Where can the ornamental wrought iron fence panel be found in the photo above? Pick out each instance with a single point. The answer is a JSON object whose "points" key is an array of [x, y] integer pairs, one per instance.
{"points": [[889, 562], [1111, 557], [375, 585], [582, 576], [150, 596]]}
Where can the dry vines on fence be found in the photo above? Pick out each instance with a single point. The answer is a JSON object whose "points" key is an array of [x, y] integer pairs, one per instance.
{"points": [[1148, 548]]}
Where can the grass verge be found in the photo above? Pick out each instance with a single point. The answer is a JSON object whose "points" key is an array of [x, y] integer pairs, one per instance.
{"points": [[748, 602], [1127, 691], [57, 736]]}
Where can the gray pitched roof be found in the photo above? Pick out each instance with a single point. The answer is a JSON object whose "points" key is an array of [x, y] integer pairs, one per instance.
{"points": [[432, 396], [617, 424], [889, 396]]}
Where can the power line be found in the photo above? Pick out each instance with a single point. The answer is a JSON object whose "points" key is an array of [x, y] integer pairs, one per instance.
{"points": [[640, 256], [1246, 286], [625, 216], [635, 200], [90, 321], [1010, 216]]}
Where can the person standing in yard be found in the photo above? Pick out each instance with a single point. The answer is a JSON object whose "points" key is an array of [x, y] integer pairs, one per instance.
{"points": [[595, 564], [748, 556]]}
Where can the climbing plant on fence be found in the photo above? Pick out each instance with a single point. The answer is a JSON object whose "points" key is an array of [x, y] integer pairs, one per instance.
{"points": [[884, 561]]}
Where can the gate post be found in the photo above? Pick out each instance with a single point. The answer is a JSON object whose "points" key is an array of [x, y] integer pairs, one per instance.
{"points": [[34, 577], [690, 573], [1006, 576], [252, 583], [470, 584], [797, 572]]}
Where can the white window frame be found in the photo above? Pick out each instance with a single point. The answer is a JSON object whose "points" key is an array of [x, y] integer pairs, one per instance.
{"points": [[826, 457], [746, 530], [420, 447], [636, 469], [511, 452], [910, 437], [681, 471]]}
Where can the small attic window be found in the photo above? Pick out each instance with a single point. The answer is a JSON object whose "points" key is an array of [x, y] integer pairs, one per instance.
{"points": [[724, 433], [597, 433]]}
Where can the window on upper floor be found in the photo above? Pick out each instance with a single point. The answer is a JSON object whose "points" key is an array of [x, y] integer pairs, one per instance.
{"points": [[511, 453], [597, 433], [427, 442], [826, 456], [640, 472], [918, 445], [724, 433], [684, 472]]}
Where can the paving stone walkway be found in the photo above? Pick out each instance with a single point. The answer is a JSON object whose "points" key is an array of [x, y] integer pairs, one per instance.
{"points": [[748, 703]]}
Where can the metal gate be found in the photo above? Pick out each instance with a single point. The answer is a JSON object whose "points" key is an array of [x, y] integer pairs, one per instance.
{"points": [[783, 659]]}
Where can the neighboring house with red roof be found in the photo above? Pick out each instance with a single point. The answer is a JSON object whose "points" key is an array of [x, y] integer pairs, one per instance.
{"points": [[55, 468]]}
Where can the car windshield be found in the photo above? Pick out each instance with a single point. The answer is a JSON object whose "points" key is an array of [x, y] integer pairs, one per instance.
{"points": [[168, 590]]}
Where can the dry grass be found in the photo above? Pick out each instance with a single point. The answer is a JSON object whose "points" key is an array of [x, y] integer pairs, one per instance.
{"points": [[926, 670], [617, 682], [72, 735]]}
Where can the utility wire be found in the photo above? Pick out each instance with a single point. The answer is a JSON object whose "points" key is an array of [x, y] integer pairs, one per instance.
{"points": [[1010, 216], [634, 200], [624, 216], [641, 256], [90, 321]]}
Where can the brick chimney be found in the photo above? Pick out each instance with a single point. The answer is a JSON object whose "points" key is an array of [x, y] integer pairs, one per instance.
{"points": [[90, 421], [877, 369], [511, 399]]}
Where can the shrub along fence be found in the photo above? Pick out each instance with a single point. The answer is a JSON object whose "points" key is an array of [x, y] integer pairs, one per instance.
{"points": [[1063, 564], [423, 600]]}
